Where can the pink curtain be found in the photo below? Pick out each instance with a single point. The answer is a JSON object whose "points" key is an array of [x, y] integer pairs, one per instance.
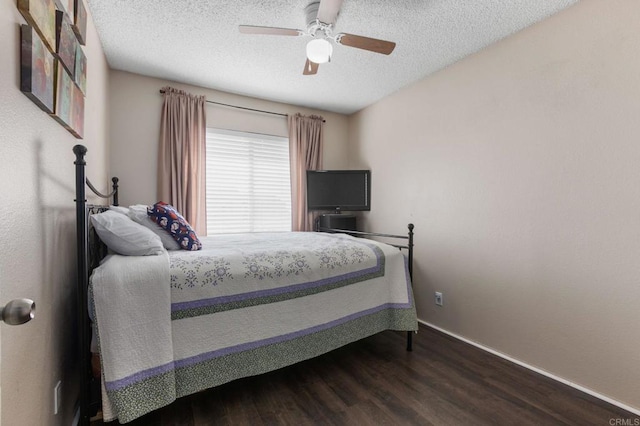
{"points": [[305, 153], [181, 156]]}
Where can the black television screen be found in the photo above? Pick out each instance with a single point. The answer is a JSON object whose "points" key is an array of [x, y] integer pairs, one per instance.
{"points": [[339, 190]]}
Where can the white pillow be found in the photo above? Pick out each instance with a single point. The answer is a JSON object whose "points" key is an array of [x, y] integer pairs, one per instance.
{"points": [[138, 213], [119, 209], [124, 236]]}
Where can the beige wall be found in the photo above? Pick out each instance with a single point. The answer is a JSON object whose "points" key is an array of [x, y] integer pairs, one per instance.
{"points": [[520, 167], [37, 259], [135, 106]]}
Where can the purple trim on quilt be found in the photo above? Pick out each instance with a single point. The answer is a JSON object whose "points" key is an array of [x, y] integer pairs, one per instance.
{"points": [[146, 374], [181, 306], [285, 337], [139, 376]]}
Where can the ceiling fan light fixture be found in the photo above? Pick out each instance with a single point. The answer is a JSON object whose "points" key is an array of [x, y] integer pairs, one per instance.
{"points": [[319, 50]]}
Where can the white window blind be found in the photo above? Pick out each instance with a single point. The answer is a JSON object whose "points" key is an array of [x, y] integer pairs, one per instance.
{"points": [[248, 182]]}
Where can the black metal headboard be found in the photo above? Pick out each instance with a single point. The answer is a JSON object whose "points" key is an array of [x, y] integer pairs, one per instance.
{"points": [[88, 257]]}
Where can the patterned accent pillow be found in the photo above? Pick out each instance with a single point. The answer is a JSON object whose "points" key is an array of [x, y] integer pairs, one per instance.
{"points": [[138, 213], [169, 219]]}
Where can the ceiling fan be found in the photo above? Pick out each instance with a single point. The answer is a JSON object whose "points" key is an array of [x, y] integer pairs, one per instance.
{"points": [[321, 17]]}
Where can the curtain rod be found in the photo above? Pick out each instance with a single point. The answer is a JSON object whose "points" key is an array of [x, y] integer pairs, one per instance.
{"points": [[245, 108]]}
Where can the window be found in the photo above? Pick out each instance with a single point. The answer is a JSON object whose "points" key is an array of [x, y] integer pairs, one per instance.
{"points": [[248, 183]]}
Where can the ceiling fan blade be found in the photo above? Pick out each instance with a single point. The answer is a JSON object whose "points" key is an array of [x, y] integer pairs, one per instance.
{"points": [[310, 68], [366, 43], [252, 29], [328, 11]]}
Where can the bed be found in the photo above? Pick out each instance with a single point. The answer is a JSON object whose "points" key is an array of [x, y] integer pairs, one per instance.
{"points": [[178, 322]]}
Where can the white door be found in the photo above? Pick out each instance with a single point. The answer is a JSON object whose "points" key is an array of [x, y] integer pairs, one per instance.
{"points": [[16, 312], [1, 325], [0, 376]]}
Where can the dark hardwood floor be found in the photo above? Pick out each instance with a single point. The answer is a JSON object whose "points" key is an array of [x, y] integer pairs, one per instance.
{"points": [[376, 382]]}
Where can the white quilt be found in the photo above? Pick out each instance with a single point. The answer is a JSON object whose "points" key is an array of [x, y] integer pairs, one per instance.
{"points": [[181, 322]]}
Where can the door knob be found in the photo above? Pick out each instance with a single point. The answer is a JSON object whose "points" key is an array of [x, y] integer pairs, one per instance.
{"points": [[18, 311]]}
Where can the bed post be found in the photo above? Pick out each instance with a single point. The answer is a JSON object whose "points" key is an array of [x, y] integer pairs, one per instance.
{"points": [[410, 245], [83, 277], [115, 190]]}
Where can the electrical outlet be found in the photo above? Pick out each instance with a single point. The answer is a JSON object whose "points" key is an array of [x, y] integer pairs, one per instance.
{"points": [[57, 397], [438, 298]]}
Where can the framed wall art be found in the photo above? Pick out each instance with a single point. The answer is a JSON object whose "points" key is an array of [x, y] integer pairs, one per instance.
{"points": [[64, 96], [66, 113], [66, 42], [80, 22], [77, 112], [37, 66], [67, 6], [41, 15], [53, 66], [80, 76]]}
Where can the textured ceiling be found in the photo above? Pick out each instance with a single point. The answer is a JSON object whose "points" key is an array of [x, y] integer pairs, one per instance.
{"points": [[198, 42]]}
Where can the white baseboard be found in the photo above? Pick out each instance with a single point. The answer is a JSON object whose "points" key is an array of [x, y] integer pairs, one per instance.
{"points": [[536, 369]]}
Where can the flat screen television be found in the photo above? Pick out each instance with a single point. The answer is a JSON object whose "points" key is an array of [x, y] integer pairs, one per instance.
{"points": [[338, 190]]}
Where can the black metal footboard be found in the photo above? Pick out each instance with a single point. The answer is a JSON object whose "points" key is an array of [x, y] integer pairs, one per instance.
{"points": [[408, 246]]}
